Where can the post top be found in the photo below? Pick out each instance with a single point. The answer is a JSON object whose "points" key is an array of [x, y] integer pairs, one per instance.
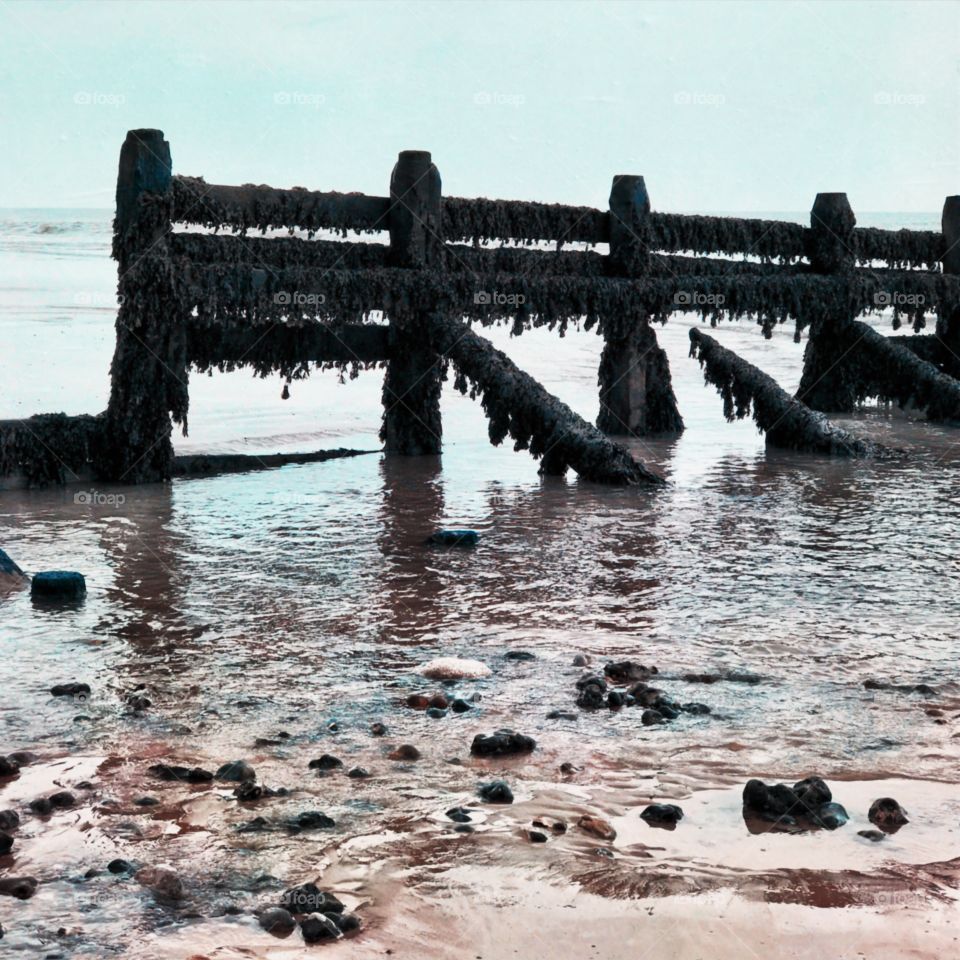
{"points": [[146, 133], [415, 155]]}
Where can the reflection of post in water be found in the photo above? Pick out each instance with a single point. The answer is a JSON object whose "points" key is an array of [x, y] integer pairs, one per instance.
{"points": [[413, 507]]}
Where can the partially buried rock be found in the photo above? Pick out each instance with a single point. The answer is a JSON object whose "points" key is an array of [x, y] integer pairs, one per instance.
{"points": [[459, 537], [119, 866], [436, 713], [326, 762], [581, 660], [23, 888], [651, 717], [501, 743], [309, 898], [597, 827], [277, 921], [358, 773], [460, 706], [6, 843], [62, 800], [70, 690], [696, 709], [534, 836], [831, 816], [146, 802], [406, 751], [185, 774], [319, 927], [628, 671], [313, 820], [521, 655], [161, 881], [41, 806], [138, 703], [459, 815], [58, 585], [497, 791], [9, 819], [9, 767], [236, 771], [562, 715], [662, 814], [874, 836], [887, 814], [378, 730]]}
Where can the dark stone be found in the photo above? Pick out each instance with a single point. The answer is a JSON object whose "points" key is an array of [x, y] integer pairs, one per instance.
{"points": [[146, 802], [277, 921], [497, 791], [418, 701], [138, 703], [358, 773], [592, 680], [121, 866], [562, 715], [522, 655], [459, 815], [165, 771], [436, 713], [7, 567], [782, 799], [326, 762], [615, 700], [537, 837], [603, 852], [347, 922], [502, 743], [62, 800], [236, 771], [628, 671], [309, 898], [925, 690], [6, 843], [454, 538], [58, 585], [697, 709], [23, 888], [318, 927], [256, 825], [84, 785], [378, 730], [9, 819], [649, 717], [887, 814], [313, 820], [247, 791], [463, 828], [667, 708], [92, 873], [581, 660], [662, 814], [70, 690], [831, 815], [22, 757], [591, 697], [874, 836], [460, 706], [812, 793], [644, 695], [41, 806], [406, 751], [8, 767]]}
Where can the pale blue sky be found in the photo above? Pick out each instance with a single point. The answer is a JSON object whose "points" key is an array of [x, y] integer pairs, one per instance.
{"points": [[722, 106]]}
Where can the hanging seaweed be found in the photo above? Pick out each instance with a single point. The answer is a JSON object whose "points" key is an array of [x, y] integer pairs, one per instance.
{"points": [[480, 219], [900, 249], [278, 252], [51, 448], [787, 422], [766, 239]]}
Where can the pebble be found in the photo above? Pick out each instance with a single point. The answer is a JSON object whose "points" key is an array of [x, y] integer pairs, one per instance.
{"points": [[581, 660], [501, 743], [887, 814], [185, 774], [523, 656], [378, 730], [8, 767], [318, 927], [436, 713], [562, 715], [831, 816], [120, 866], [874, 836], [138, 703], [313, 820], [358, 773], [236, 771], [146, 802], [70, 690], [406, 751], [23, 888], [277, 921], [62, 800], [536, 837], [6, 843], [662, 814], [460, 706], [597, 827], [41, 806], [9, 819], [650, 717], [459, 815], [161, 881], [497, 791], [326, 762], [628, 671]]}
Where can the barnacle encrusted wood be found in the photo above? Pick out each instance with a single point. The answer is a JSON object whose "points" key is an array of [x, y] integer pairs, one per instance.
{"points": [[51, 448], [518, 406], [787, 423]]}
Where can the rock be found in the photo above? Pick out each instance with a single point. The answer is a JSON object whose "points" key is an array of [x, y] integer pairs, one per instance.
{"points": [[662, 814], [256, 825], [775, 801], [42, 807], [454, 668], [326, 762], [146, 802], [497, 791], [603, 852], [555, 826], [463, 828], [502, 743], [161, 881], [831, 815], [591, 697], [9, 569], [8, 767], [378, 730], [138, 703], [70, 690], [6, 843], [581, 660], [236, 771], [460, 706], [277, 921], [875, 836], [925, 690], [9, 819], [667, 708], [697, 709], [457, 537], [358, 773], [165, 771], [23, 888], [628, 671], [562, 715], [592, 680], [597, 827], [615, 700], [887, 814], [522, 655], [58, 585], [247, 791], [314, 820], [459, 815], [439, 702], [309, 898], [22, 757], [120, 866], [812, 793], [406, 751], [650, 717], [534, 836], [62, 800], [347, 922], [567, 768], [319, 927], [436, 713], [418, 701]]}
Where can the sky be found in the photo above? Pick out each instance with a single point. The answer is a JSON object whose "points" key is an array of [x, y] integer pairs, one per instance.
{"points": [[747, 106]]}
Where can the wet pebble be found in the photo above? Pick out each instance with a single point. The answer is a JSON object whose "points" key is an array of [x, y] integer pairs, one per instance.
{"points": [[650, 717], [581, 660], [378, 730], [662, 814], [887, 814], [497, 791], [501, 743], [138, 703], [831, 816], [459, 815], [874, 836], [165, 771], [70, 690], [524, 656], [62, 800], [319, 927], [6, 843], [535, 836], [562, 715], [236, 771], [597, 827], [313, 820], [9, 819], [277, 921], [23, 888], [9, 767], [460, 706], [406, 751], [121, 866], [358, 773], [146, 801], [436, 713], [326, 762], [628, 671]]}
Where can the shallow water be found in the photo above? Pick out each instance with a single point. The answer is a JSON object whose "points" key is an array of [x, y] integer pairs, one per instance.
{"points": [[284, 600]]}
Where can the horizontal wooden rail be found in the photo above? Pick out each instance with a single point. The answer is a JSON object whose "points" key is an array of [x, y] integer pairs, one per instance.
{"points": [[278, 253], [481, 219], [913, 249]]}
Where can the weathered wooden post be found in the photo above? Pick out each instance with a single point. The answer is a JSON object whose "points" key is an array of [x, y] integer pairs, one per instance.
{"points": [[411, 388], [636, 391], [830, 250], [948, 322], [149, 370]]}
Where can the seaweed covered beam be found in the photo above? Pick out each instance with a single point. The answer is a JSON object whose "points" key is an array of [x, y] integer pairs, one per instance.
{"points": [[517, 405], [787, 422]]}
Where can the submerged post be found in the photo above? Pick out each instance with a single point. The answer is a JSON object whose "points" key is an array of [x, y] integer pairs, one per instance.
{"points": [[830, 250], [636, 391], [149, 370], [948, 323], [411, 388]]}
